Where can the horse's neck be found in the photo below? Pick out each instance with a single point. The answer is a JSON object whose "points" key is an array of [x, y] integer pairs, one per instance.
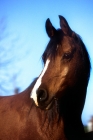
{"points": [[74, 129], [45, 124], [70, 110], [69, 126], [48, 123]]}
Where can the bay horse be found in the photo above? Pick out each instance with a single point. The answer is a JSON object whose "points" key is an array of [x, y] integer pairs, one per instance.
{"points": [[51, 107]]}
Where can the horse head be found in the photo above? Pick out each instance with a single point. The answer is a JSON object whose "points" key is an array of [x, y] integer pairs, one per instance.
{"points": [[66, 70]]}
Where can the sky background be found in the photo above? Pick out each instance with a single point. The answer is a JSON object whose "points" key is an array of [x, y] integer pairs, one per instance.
{"points": [[23, 39]]}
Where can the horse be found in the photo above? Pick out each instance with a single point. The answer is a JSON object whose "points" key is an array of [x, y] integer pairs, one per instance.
{"points": [[51, 107]]}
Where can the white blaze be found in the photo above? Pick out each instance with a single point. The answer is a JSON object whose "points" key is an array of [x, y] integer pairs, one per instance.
{"points": [[38, 83]]}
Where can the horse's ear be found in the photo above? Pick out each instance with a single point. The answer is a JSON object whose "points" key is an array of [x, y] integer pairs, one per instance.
{"points": [[64, 26], [51, 31]]}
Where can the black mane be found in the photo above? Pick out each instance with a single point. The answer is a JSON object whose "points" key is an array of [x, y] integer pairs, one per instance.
{"points": [[86, 58], [52, 45]]}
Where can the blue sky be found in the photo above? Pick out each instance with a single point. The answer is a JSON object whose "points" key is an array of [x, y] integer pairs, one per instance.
{"points": [[27, 39]]}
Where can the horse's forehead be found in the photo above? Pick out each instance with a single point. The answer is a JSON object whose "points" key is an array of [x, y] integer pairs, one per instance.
{"points": [[66, 44]]}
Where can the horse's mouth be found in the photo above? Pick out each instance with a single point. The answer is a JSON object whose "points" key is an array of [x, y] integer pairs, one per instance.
{"points": [[49, 106]]}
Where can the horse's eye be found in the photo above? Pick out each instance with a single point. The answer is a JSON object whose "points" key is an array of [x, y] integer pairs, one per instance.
{"points": [[67, 55]]}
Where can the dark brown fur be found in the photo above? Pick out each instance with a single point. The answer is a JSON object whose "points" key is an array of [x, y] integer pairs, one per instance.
{"points": [[21, 119]]}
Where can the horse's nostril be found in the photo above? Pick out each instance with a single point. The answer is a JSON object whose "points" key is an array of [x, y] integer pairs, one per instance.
{"points": [[41, 95]]}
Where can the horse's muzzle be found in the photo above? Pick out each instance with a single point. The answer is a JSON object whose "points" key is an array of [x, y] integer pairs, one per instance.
{"points": [[43, 99], [42, 96]]}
